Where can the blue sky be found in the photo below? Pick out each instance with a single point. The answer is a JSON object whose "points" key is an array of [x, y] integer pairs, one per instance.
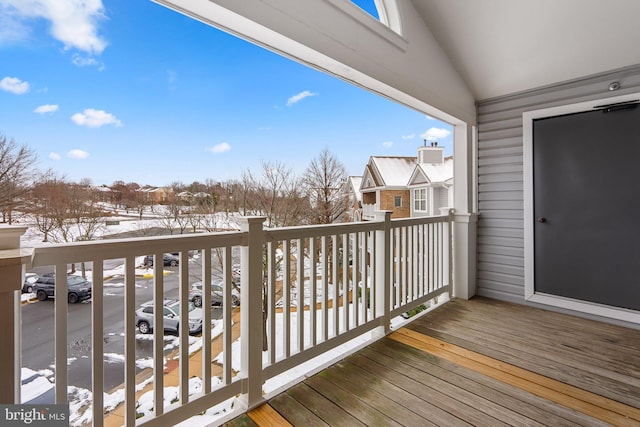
{"points": [[129, 90]]}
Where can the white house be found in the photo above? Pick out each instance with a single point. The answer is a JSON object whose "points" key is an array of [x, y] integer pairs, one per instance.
{"points": [[431, 182]]}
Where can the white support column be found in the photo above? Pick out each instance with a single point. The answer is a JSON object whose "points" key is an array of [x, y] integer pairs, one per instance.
{"points": [[251, 310], [383, 266], [464, 229], [12, 259]]}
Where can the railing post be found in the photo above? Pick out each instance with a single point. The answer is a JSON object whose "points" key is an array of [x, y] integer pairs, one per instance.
{"points": [[251, 310], [464, 255], [12, 259], [383, 266]]}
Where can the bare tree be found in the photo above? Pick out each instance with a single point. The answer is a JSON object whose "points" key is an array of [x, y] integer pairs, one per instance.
{"points": [[16, 173], [65, 211], [274, 193], [324, 183]]}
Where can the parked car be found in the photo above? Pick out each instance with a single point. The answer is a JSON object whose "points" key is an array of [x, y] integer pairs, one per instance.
{"points": [[78, 289], [195, 295], [169, 260], [171, 314], [29, 280]]}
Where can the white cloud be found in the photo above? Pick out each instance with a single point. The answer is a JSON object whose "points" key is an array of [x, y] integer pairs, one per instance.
{"points": [[73, 22], [299, 97], [47, 108], [387, 144], [433, 134], [14, 85], [220, 148], [77, 154], [95, 118], [410, 136], [428, 117], [54, 156], [87, 61]]}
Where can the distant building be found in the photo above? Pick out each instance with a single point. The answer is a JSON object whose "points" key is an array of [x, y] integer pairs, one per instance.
{"points": [[157, 195], [384, 186], [406, 186]]}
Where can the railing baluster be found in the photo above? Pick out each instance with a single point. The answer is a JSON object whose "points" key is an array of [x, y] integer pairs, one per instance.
{"points": [[430, 259], [345, 282], [355, 271], [300, 295], [97, 343], [60, 333], [450, 250], [336, 287], [325, 290], [158, 334], [313, 283], [227, 336], [271, 300], [286, 297], [206, 320], [366, 291], [130, 342], [183, 291]]}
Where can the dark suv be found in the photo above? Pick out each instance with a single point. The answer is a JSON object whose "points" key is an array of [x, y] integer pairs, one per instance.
{"points": [[78, 289], [168, 260]]}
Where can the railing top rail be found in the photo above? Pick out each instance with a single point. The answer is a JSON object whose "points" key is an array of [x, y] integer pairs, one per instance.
{"points": [[306, 231], [136, 246], [403, 222]]}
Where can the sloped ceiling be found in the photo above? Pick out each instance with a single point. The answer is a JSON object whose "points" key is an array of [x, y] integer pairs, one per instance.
{"points": [[507, 46]]}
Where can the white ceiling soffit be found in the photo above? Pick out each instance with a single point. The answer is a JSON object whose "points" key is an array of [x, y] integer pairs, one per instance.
{"points": [[507, 46]]}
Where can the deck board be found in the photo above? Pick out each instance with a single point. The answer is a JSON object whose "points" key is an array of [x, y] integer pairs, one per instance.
{"points": [[575, 357], [480, 362]]}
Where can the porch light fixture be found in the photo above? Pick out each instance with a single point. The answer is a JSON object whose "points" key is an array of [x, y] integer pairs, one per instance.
{"points": [[614, 86]]}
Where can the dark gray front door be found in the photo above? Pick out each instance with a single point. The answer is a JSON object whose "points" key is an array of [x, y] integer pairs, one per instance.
{"points": [[586, 170]]}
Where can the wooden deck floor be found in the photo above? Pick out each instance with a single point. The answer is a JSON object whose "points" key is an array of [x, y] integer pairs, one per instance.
{"points": [[480, 362]]}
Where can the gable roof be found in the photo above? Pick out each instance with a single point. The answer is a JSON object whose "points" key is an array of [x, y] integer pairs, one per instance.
{"points": [[387, 171], [430, 173]]}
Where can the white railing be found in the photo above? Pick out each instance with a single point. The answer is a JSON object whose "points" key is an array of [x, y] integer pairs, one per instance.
{"points": [[304, 291], [369, 211]]}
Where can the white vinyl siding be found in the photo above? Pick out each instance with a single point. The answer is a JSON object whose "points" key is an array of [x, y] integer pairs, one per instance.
{"points": [[500, 239]]}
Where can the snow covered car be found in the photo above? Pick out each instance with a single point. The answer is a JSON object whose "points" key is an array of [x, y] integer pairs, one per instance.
{"points": [[171, 315], [195, 295], [29, 280]]}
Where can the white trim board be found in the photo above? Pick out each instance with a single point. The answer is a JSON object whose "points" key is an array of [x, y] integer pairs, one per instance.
{"points": [[529, 280]]}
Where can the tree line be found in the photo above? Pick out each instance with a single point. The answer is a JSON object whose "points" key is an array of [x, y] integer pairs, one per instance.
{"points": [[64, 210]]}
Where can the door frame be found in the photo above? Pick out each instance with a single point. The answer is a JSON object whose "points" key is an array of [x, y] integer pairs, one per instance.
{"points": [[530, 294]]}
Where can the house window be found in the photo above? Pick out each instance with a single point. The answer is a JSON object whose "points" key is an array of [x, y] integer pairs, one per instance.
{"points": [[397, 201], [420, 200]]}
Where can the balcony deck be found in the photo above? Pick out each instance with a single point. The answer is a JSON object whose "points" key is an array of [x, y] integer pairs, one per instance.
{"points": [[477, 362]]}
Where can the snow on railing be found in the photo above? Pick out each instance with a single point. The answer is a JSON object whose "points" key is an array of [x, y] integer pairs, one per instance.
{"points": [[304, 291]]}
